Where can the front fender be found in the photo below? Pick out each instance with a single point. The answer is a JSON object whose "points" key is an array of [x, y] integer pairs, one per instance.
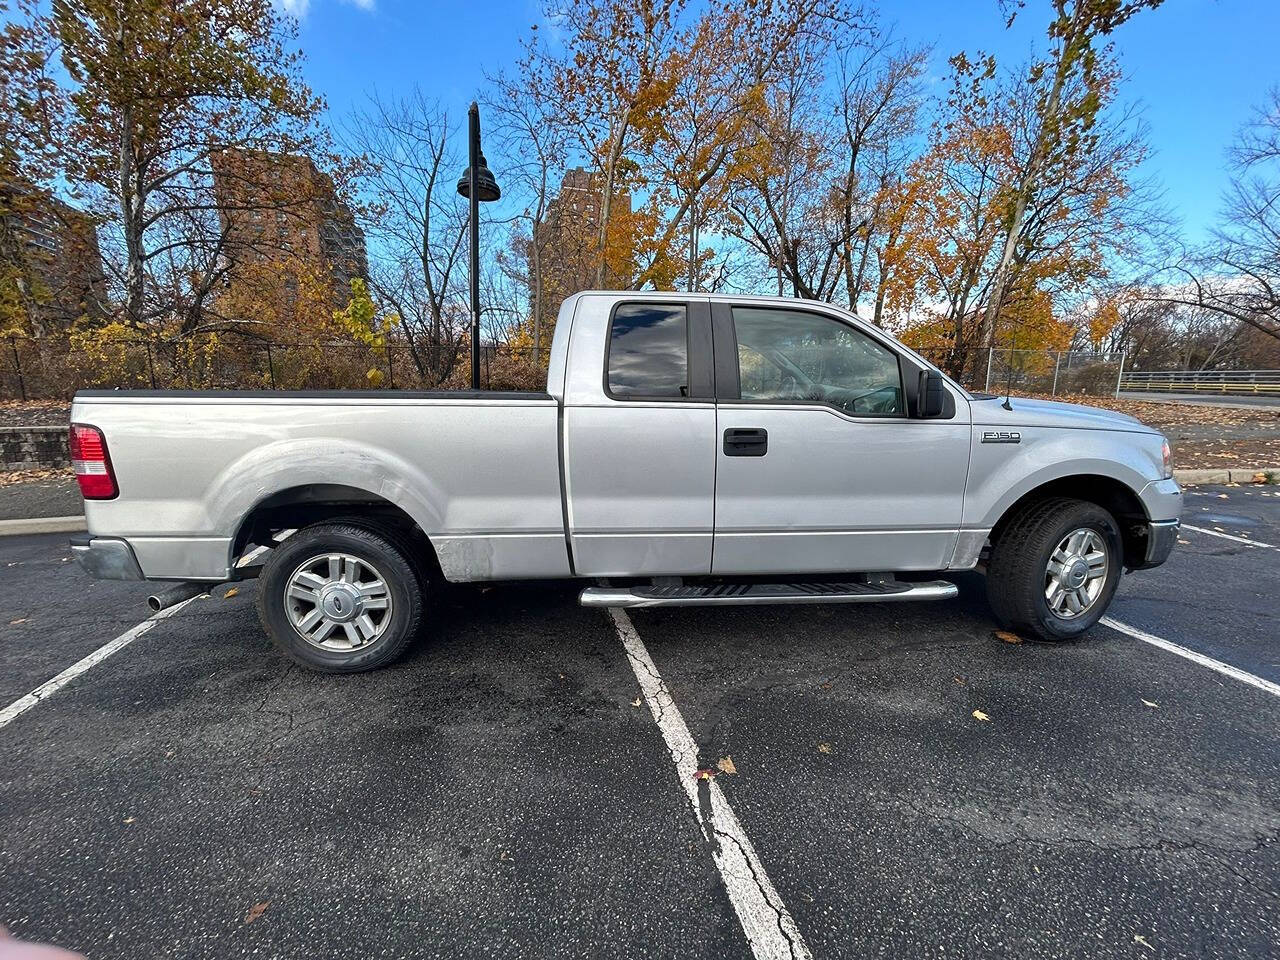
{"points": [[1002, 473]]}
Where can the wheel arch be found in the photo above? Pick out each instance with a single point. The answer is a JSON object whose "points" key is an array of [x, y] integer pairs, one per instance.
{"points": [[1115, 496], [305, 505]]}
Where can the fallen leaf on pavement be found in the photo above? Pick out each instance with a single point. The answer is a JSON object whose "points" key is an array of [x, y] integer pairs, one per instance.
{"points": [[19, 620], [230, 593], [825, 748], [706, 773], [979, 715], [1154, 706], [636, 702], [1223, 496], [1259, 477], [257, 910], [130, 819], [959, 680], [726, 765], [1008, 637], [1139, 938]]}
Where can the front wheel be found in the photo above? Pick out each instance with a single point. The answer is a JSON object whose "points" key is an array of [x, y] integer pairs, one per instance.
{"points": [[340, 598], [1054, 569]]}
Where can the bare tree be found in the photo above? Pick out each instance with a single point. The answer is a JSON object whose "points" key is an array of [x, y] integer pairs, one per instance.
{"points": [[416, 224], [534, 143], [1238, 275]]}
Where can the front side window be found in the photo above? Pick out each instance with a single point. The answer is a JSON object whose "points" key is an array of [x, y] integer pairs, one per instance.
{"points": [[649, 351], [789, 355]]}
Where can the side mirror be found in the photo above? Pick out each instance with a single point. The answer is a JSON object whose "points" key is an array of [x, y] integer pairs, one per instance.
{"points": [[931, 395]]}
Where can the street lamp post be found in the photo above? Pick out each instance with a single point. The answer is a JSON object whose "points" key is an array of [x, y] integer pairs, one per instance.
{"points": [[477, 184]]}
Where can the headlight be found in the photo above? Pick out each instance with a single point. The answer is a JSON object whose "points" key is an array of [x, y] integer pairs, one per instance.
{"points": [[1168, 460]]}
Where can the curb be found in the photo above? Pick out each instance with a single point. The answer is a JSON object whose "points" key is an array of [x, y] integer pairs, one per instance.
{"points": [[14, 528], [1234, 475]]}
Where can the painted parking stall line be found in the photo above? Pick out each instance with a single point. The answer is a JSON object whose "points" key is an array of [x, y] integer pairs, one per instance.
{"points": [[52, 686], [1228, 536], [771, 931], [1235, 673]]}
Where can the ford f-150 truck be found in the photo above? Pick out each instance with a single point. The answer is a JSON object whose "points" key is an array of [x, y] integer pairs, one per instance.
{"points": [[691, 448]]}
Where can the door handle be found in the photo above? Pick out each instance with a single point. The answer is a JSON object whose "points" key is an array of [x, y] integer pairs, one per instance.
{"points": [[746, 442]]}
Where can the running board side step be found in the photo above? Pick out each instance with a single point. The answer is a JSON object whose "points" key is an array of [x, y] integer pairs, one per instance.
{"points": [[725, 594]]}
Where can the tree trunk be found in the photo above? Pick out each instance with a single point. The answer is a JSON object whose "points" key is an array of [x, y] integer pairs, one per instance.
{"points": [[606, 201], [132, 207], [693, 245], [1048, 118]]}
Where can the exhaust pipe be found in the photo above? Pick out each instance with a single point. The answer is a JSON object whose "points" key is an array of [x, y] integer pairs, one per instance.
{"points": [[175, 594]]}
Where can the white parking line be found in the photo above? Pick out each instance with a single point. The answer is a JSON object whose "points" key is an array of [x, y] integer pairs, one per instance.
{"points": [[50, 687], [770, 929], [1228, 536], [1235, 673]]}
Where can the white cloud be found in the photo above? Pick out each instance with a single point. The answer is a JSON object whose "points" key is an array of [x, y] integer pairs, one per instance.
{"points": [[298, 8]]}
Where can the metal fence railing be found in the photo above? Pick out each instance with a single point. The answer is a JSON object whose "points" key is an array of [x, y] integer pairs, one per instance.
{"points": [[1252, 382]]}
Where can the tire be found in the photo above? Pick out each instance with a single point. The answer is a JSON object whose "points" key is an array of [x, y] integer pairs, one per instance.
{"points": [[1018, 570], [363, 618]]}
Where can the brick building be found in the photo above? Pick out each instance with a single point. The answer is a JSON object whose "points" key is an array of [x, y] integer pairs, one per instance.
{"points": [[282, 216], [50, 258], [568, 236]]}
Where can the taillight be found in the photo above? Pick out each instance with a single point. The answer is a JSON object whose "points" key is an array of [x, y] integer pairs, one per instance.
{"points": [[92, 464]]}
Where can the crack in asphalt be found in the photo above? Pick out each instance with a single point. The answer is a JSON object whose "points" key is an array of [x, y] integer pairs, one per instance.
{"points": [[764, 894]]}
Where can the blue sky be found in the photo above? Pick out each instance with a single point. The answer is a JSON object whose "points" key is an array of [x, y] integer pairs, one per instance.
{"points": [[1196, 67]]}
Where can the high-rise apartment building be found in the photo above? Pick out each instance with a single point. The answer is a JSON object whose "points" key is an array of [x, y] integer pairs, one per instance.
{"points": [[280, 214]]}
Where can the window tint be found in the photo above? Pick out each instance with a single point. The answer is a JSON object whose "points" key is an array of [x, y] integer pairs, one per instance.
{"points": [[649, 351], [789, 355]]}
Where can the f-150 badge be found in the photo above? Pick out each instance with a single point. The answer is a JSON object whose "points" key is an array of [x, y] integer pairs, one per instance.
{"points": [[1001, 436]]}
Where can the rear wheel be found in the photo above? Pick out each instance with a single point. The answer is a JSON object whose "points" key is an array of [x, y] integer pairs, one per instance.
{"points": [[1054, 569], [341, 598]]}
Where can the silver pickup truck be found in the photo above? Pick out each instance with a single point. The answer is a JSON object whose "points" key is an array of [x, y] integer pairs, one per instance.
{"points": [[692, 449]]}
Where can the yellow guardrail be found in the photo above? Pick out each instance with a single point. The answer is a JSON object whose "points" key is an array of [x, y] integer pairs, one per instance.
{"points": [[1266, 386]]}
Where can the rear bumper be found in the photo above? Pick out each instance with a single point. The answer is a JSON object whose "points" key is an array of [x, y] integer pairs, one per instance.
{"points": [[105, 558], [1161, 536]]}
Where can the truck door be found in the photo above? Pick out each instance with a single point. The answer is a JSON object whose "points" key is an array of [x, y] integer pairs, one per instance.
{"points": [[819, 467], [640, 437]]}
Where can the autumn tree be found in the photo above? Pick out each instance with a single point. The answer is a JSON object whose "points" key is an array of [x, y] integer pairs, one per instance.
{"points": [[718, 80], [611, 78], [159, 88], [1065, 91], [1091, 213], [824, 165]]}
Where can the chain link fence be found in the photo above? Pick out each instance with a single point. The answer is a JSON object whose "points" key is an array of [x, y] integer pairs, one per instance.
{"points": [[55, 369], [1050, 373]]}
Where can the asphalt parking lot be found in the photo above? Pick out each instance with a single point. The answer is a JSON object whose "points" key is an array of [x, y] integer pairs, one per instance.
{"points": [[507, 790]]}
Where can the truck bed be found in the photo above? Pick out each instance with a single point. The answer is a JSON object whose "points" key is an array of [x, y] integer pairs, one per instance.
{"points": [[479, 472]]}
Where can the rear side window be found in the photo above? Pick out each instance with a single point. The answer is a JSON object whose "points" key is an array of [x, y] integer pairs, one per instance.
{"points": [[649, 351]]}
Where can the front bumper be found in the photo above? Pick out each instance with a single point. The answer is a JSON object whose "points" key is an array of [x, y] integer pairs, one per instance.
{"points": [[1161, 535], [105, 558]]}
